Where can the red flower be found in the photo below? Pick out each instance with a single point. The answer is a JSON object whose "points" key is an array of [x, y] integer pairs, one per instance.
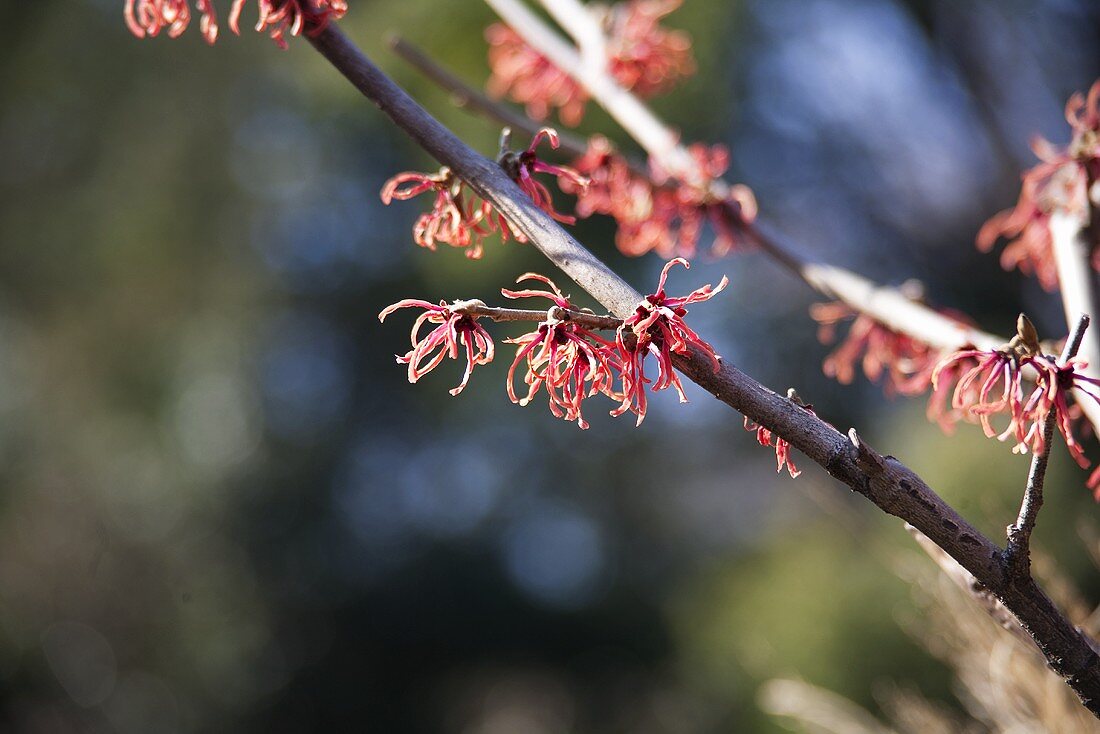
{"points": [[1060, 182], [276, 17], [657, 326], [522, 166], [906, 362], [457, 218], [528, 77], [454, 328], [782, 448], [148, 17], [611, 186], [669, 217], [941, 408], [644, 57], [996, 382], [572, 362]]}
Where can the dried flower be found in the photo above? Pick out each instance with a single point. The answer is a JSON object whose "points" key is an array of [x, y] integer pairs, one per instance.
{"points": [[149, 17], [657, 327], [644, 57], [522, 166], [573, 363], [529, 78], [454, 328]]}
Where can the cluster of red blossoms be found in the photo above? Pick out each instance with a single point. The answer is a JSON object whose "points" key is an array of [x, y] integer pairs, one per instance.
{"points": [[1017, 381], [902, 363], [655, 213], [460, 219], [642, 56], [1066, 180], [996, 382], [563, 355], [276, 17]]}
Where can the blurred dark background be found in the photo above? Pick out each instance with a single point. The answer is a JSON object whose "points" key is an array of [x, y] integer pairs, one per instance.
{"points": [[223, 508]]}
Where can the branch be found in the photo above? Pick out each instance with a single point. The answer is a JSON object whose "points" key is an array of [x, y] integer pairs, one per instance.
{"points": [[885, 481], [584, 319], [1018, 553]]}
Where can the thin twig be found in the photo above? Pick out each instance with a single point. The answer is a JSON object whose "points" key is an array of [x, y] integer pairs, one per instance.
{"points": [[886, 482], [1017, 554], [583, 319]]}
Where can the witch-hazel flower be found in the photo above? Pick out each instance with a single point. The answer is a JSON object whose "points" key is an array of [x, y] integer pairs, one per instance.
{"points": [[572, 363], [455, 330], [657, 327], [1025, 384], [522, 167]]}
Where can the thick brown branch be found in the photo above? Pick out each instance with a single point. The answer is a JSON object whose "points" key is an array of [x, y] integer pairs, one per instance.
{"points": [[885, 481]]}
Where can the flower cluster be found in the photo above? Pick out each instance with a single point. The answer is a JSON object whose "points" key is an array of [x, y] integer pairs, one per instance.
{"points": [[572, 362], [1061, 181], [906, 363], [455, 328], [460, 219], [276, 17], [658, 213], [529, 78], [657, 327], [765, 437], [1020, 382], [903, 364], [150, 17], [563, 354], [642, 56], [457, 217]]}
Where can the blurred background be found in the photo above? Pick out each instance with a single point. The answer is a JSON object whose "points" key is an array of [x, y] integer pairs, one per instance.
{"points": [[223, 508]]}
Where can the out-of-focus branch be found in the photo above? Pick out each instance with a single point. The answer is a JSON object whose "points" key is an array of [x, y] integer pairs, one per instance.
{"points": [[661, 143], [965, 580], [890, 485], [1072, 245], [468, 98]]}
